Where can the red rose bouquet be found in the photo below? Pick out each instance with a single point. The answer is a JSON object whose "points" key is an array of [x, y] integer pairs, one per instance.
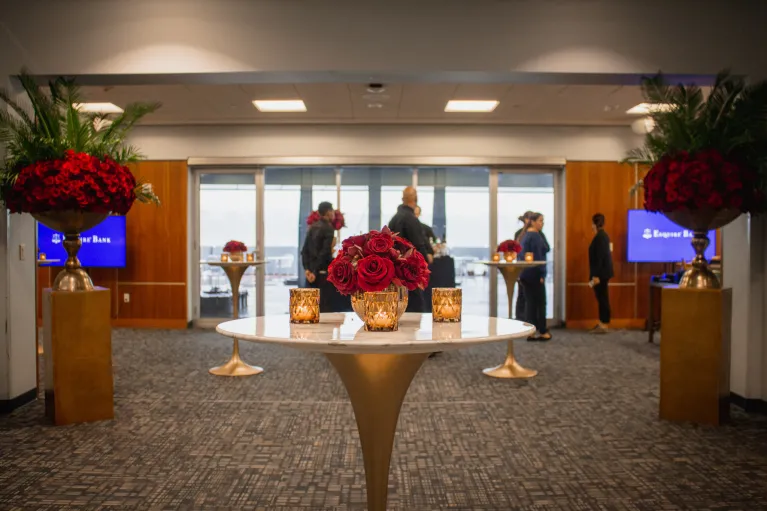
{"points": [[78, 181], [705, 154], [338, 221], [509, 246], [235, 246], [373, 261], [64, 160]]}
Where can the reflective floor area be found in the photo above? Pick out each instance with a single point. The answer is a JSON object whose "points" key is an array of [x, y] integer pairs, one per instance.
{"points": [[582, 435]]}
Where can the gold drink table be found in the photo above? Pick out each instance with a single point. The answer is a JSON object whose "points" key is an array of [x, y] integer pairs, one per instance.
{"points": [[510, 368], [376, 367], [234, 272]]}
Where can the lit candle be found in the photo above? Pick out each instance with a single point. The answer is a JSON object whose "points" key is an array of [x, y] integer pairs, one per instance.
{"points": [[224, 258], [42, 256], [251, 258], [496, 257], [450, 311], [382, 320], [529, 257], [510, 256], [303, 313]]}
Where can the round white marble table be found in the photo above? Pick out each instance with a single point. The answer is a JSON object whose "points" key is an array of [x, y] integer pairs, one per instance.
{"points": [[376, 367], [510, 368], [234, 271]]}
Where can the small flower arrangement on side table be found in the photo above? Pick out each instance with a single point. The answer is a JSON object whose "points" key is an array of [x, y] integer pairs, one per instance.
{"points": [[510, 249], [235, 249]]}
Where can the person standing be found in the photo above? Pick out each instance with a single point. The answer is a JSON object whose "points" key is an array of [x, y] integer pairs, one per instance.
{"points": [[428, 232], [600, 271], [317, 254], [406, 224], [533, 280], [519, 308]]}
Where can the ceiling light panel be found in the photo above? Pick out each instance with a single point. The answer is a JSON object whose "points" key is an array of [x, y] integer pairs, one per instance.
{"points": [[470, 105], [649, 108], [99, 108], [280, 105]]}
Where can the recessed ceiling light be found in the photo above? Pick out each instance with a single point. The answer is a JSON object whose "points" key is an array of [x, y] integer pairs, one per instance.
{"points": [[375, 105], [99, 108], [649, 108], [280, 105], [465, 105]]}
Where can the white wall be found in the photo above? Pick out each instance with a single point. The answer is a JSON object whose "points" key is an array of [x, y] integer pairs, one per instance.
{"points": [[182, 142], [745, 260], [421, 36]]}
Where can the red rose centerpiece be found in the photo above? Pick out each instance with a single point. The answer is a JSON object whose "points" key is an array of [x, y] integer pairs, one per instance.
{"points": [[510, 248], [235, 249], [707, 158], [338, 221], [67, 168], [378, 261]]}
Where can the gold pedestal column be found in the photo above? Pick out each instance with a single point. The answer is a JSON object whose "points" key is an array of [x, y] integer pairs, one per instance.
{"points": [[377, 384], [510, 367], [236, 366]]}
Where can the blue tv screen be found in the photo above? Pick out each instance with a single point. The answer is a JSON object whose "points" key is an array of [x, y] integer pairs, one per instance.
{"points": [[653, 238], [103, 246]]}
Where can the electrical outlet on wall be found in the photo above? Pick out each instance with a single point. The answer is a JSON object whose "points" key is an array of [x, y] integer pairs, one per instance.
{"points": [[126, 297]]}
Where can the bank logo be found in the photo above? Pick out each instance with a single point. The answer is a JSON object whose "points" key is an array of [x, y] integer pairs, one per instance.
{"points": [[647, 234], [56, 238]]}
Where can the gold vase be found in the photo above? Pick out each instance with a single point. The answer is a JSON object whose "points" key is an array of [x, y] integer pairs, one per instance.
{"points": [[236, 257], [358, 301], [700, 221], [71, 223]]}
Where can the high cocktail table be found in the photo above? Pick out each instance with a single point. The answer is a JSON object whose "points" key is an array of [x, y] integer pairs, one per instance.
{"points": [[376, 367]]}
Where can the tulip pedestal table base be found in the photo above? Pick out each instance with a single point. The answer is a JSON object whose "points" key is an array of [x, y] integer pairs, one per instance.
{"points": [[376, 367], [234, 272], [510, 368]]}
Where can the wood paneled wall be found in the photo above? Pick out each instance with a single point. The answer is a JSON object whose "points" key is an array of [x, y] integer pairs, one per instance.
{"points": [[155, 277], [603, 187]]}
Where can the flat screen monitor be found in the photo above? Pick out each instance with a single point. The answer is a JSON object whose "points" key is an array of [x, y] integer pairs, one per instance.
{"points": [[103, 246], [653, 238]]}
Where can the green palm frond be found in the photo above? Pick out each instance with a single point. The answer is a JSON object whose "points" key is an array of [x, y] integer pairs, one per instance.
{"points": [[55, 126], [732, 120]]}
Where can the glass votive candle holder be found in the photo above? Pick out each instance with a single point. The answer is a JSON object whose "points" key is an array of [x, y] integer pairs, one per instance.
{"points": [[381, 311], [446, 304], [529, 257], [42, 256], [304, 305], [496, 257], [250, 257], [224, 258], [510, 256]]}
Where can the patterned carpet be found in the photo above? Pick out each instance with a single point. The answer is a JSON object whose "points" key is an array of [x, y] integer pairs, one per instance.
{"points": [[583, 435]]}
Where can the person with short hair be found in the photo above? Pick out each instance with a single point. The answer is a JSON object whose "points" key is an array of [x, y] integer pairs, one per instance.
{"points": [[317, 254], [600, 271], [407, 225]]}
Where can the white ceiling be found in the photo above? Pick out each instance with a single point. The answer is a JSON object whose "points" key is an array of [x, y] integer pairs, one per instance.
{"points": [[562, 105]]}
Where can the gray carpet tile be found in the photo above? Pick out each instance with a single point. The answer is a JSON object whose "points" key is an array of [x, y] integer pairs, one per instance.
{"points": [[583, 435]]}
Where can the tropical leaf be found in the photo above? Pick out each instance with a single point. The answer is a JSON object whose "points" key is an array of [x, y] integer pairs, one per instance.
{"points": [[57, 126]]}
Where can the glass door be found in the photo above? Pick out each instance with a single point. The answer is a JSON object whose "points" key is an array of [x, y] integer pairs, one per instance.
{"points": [[518, 192], [227, 206]]}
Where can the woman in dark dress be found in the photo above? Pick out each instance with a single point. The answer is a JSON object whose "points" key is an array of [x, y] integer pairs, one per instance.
{"points": [[600, 271], [533, 279]]}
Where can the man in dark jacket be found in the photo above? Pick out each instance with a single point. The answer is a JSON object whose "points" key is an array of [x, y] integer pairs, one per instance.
{"points": [[428, 232], [600, 271], [317, 254], [407, 225]]}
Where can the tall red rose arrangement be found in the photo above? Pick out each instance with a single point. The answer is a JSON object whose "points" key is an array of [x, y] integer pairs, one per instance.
{"points": [[78, 181], [702, 180], [509, 246], [338, 221], [373, 261]]}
